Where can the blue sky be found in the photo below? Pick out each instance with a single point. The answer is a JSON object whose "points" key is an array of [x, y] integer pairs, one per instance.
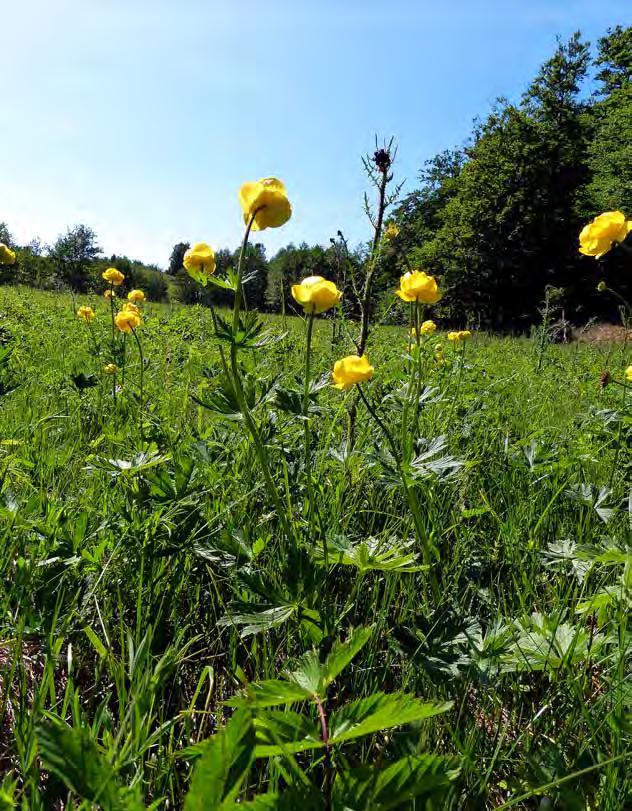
{"points": [[141, 118]]}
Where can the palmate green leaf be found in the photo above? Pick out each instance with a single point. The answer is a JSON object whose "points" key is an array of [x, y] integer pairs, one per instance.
{"points": [[139, 463], [418, 777], [378, 712], [285, 732], [222, 769], [371, 554], [255, 622], [73, 755], [431, 460]]}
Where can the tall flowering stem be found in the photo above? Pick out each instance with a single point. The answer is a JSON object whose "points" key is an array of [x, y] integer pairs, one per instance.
{"points": [[235, 379], [307, 430]]}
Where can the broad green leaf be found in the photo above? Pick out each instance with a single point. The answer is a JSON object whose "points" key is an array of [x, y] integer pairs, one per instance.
{"points": [[270, 693], [415, 777], [73, 755], [378, 712], [220, 772], [285, 732]]}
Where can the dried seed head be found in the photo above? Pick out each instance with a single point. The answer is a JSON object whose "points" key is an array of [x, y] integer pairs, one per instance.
{"points": [[382, 160]]}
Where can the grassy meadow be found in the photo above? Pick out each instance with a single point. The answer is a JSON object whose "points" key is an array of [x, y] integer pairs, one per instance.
{"points": [[169, 640]]}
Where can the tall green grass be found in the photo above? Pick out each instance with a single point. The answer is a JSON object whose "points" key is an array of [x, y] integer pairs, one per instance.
{"points": [[146, 580]]}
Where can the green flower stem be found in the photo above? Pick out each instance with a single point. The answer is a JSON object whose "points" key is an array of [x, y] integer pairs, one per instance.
{"points": [[142, 378], [418, 315], [414, 383], [307, 429], [112, 312], [235, 379], [411, 496]]}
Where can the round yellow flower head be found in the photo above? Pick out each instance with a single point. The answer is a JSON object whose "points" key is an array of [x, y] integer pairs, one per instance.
{"points": [[602, 287], [87, 313], [350, 370], [109, 293], [628, 374], [130, 307], [113, 276], [428, 327], [598, 237], [7, 256], [416, 285], [391, 232], [136, 296], [126, 320], [315, 294], [461, 335], [266, 201], [110, 368], [199, 262]]}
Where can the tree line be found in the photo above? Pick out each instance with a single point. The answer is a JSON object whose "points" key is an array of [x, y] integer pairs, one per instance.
{"points": [[496, 219]]}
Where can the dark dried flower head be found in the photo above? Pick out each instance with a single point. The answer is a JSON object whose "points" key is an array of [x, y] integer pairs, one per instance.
{"points": [[604, 379], [382, 160]]}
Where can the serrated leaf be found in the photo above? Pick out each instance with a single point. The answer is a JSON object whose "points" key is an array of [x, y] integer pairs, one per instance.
{"points": [[270, 693], [414, 777], [222, 769], [285, 732], [342, 653], [378, 712]]}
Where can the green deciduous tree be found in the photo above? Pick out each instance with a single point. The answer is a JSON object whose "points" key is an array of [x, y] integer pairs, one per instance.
{"points": [[73, 254]]}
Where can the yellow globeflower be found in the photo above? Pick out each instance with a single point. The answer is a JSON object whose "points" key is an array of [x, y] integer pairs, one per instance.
{"points": [[266, 201], [428, 327], [136, 296], [628, 374], [598, 237], [391, 232], [350, 370], [127, 320], [315, 294], [129, 307], [109, 293], [7, 256], [110, 368], [461, 335], [113, 276], [87, 313], [199, 262], [416, 285]]}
